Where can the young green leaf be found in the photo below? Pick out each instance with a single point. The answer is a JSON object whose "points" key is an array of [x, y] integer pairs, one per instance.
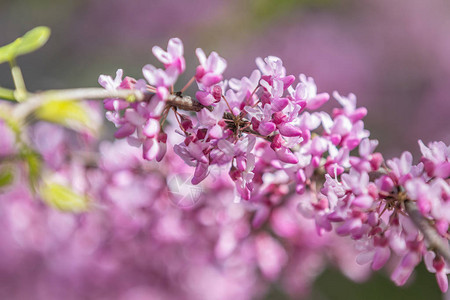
{"points": [[31, 41], [72, 114], [63, 198], [8, 52], [6, 177]]}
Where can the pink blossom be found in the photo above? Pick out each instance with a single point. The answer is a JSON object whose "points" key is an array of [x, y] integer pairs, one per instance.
{"points": [[306, 91], [405, 268], [173, 56], [210, 70], [271, 256], [436, 264], [160, 79]]}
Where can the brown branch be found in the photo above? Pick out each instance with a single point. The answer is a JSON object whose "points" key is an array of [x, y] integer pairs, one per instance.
{"points": [[434, 240], [255, 133], [35, 100], [186, 103]]}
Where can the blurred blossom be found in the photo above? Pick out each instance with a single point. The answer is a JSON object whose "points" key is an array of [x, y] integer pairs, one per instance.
{"points": [[136, 243]]}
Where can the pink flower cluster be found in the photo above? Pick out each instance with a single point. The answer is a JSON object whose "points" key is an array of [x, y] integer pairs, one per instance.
{"points": [[162, 223], [271, 137], [373, 213]]}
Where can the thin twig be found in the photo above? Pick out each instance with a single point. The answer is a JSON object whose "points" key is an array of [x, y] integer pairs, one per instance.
{"points": [[186, 103], [7, 94], [86, 93], [254, 91], [35, 100], [430, 234], [255, 133], [188, 84], [229, 107]]}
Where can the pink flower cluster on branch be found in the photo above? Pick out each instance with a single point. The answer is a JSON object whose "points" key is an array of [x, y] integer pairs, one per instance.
{"points": [[271, 137]]}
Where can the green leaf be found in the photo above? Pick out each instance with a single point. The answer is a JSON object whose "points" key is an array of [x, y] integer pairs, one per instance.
{"points": [[71, 114], [31, 41], [6, 177], [63, 198], [8, 52]]}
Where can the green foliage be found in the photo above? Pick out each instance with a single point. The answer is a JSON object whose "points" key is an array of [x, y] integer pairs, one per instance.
{"points": [[71, 114], [31, 41], [6, 177], [63, 198], [332, 284], [268, 9], [9, 52]]}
